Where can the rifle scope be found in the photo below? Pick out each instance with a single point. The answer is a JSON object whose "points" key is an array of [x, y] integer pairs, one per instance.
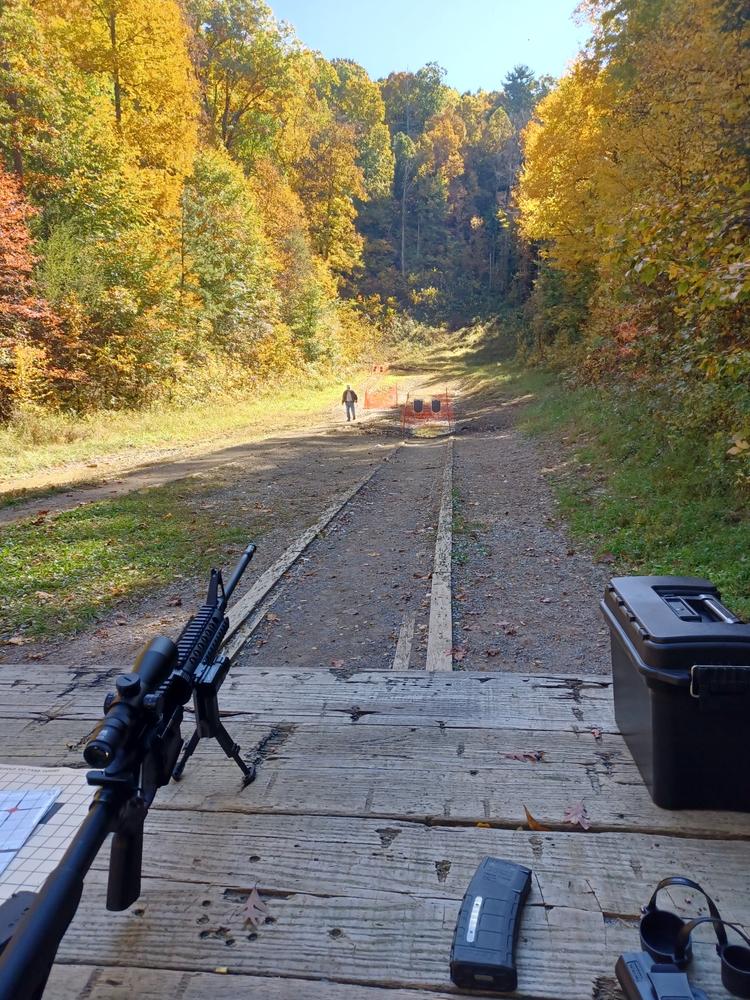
{"points": [[154, 664]]}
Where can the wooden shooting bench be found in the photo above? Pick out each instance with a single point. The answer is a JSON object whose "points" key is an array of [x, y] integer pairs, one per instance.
{"points": [[377, 795]]}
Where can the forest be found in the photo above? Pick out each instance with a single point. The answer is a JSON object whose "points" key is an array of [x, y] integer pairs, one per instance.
{"points": [[191, 198]]}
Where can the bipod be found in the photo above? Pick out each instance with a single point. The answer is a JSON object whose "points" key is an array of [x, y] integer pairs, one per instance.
{"points": [[208, 724]]}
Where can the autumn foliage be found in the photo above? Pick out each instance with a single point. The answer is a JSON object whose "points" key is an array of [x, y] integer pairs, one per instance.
{"points": [[190, 196], [30, 332], [635, 191]]}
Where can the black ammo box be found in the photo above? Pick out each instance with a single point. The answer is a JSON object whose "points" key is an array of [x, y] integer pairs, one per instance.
{"points": [[681, 672]]}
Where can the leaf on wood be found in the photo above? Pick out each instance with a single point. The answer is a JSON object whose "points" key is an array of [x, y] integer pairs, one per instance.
{"points": [[255, 910], [577, 816], [597, 734], [533, 758], [532, 823], [484, 826]]}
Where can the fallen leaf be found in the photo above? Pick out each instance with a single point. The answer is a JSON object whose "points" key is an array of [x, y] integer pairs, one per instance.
{"points": [[484, 826], [606, 557], [577, 815], [42, 595], [546, 600], [532, 823], [255, 911], [597, 734], [492, 652], [271, 617], [337, 664], [458, 654], [18, 640], [175, 602]]}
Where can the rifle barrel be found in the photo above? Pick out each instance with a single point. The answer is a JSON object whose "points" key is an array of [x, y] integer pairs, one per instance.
{"points": [[239, 569]]}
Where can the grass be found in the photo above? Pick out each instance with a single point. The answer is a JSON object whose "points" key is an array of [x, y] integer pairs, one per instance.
{"points": [[39, 441], [58, 577], [656, 506]]}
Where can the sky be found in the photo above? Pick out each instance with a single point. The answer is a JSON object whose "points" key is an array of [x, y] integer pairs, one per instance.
{"points": [[476, 41]]}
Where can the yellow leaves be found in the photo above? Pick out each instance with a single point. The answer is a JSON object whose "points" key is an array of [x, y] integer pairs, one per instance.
{"points": [[138, 50]]}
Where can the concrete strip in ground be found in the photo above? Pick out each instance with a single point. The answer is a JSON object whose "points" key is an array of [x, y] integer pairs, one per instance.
{"points": [[405, 640], [440, 639]]}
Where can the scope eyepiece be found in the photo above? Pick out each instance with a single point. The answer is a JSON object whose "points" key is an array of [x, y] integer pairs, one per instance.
{"points": [[153, 666]]}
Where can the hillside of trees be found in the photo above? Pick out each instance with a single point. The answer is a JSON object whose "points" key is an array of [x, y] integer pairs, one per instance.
{"points": [[189, 196]]}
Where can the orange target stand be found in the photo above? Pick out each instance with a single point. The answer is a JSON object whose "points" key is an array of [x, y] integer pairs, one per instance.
{"points": [[381, 399], [431, 410]]}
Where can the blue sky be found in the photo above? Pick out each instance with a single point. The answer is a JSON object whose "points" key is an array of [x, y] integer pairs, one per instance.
{"points": [[477, 41]]}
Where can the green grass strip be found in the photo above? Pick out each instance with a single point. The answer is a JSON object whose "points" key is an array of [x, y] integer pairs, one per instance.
{"points": [[58, 576]]}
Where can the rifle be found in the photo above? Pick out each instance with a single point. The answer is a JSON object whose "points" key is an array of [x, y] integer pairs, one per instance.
{"points": [[136, 750]]}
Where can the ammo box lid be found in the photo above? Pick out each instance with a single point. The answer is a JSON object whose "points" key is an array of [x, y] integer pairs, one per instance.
{"points": [[676, 621]]}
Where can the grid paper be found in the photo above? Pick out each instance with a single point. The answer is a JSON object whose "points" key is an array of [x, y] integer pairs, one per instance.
{"points": [[19, 814], [45, 847]]}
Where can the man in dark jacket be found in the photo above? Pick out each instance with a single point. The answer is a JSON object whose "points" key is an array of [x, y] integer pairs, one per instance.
{"points": [[349, 399]]}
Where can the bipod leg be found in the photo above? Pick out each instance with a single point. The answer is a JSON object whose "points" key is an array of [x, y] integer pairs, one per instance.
{"points": [[187, 753], [231, 749]]}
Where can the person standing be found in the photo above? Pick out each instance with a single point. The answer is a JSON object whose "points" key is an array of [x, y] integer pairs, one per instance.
{"points": [[349, 399]]}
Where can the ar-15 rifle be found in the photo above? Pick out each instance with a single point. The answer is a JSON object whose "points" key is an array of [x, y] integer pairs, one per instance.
{"points": [[136, 748]]}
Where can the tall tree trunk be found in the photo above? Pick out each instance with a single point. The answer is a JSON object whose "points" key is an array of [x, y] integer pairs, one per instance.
{"points": [[403, 226], [112, 20]]}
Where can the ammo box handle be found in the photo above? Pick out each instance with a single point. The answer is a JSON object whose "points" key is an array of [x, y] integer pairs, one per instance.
{"points": [[718, 680]]}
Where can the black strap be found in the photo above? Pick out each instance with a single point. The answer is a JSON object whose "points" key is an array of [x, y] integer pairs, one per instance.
{"points": [[689, 884], [682, 942], [735, 976]]}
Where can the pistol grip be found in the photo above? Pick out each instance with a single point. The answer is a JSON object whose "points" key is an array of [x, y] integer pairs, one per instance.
{"points": [[125, 859]]}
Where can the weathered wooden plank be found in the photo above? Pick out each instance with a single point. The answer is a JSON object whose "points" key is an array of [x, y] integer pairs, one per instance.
{"points": [[440, 635], [410, 699], [610, 873], [424, 773], [402, 941], [432, 773], [113, 983]]}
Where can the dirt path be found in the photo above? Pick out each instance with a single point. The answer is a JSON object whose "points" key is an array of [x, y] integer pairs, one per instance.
{"points": [[524, 596], [367, 580], [359, 597]]}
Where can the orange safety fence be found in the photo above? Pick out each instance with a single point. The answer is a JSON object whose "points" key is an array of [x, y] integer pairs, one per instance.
{"points": [[381, 399], [437, 409]]}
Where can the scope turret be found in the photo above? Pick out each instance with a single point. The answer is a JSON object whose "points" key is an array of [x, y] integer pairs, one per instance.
{"points": [[154, 664]]}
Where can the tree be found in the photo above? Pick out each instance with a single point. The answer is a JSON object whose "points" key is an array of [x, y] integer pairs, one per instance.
{"points": [[32, 341], [225, 257], [141, 50], [246, 65]]}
